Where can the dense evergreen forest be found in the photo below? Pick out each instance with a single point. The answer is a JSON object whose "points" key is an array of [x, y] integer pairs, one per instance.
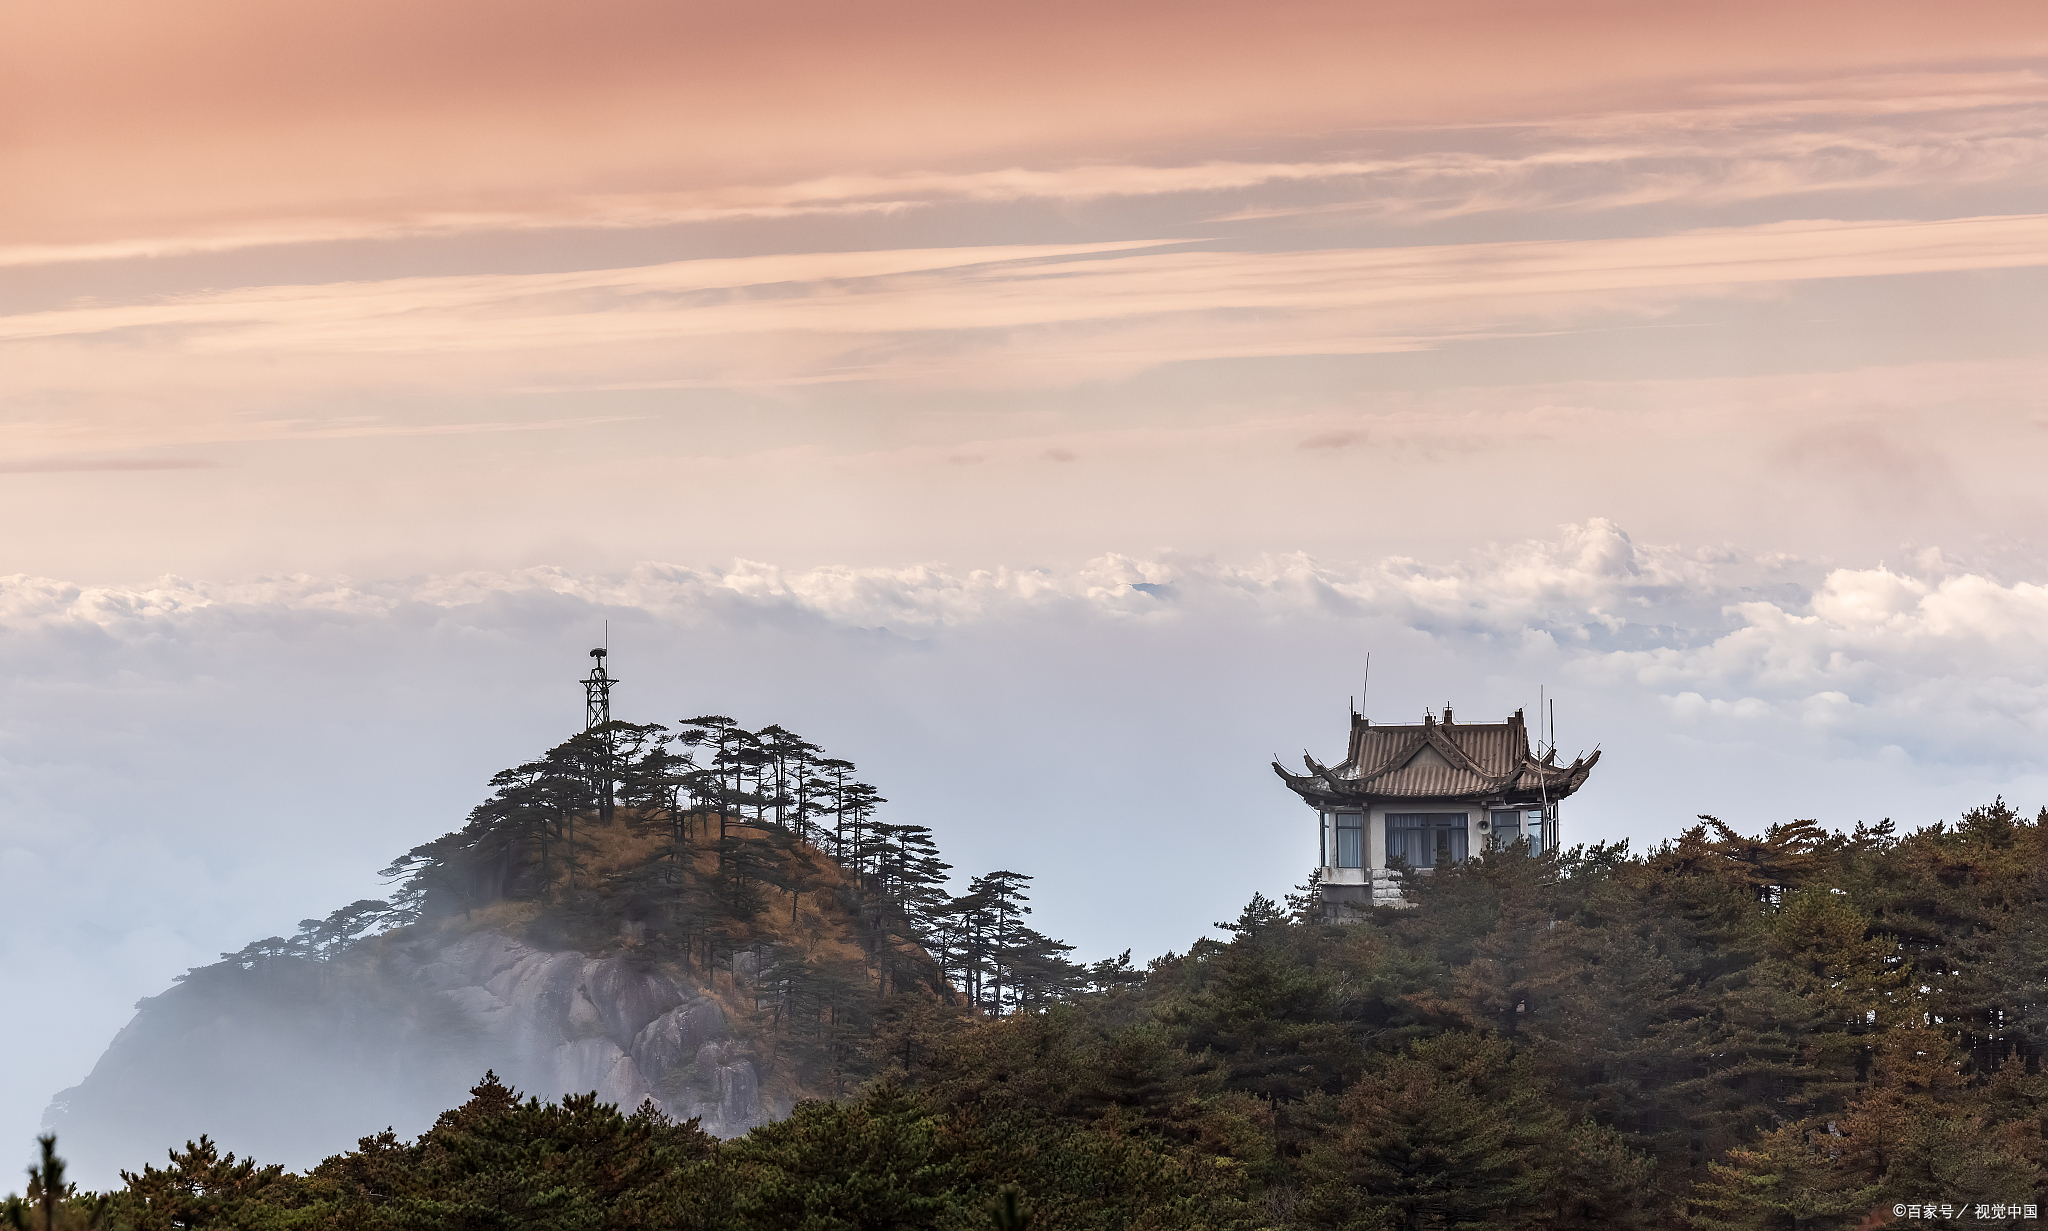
{"points": [[1798, 1029]]}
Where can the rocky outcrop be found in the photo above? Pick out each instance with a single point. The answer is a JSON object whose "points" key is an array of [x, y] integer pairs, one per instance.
{"points": [[567, 1022], [293, 1059]]}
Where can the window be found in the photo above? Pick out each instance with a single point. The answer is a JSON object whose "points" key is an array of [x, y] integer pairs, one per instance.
{"points": [[1507, 827], [1350, 840], [1421, 838]]}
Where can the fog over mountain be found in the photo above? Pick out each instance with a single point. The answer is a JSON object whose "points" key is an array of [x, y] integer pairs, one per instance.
{"points": [[1048, 409], [208, 763]]}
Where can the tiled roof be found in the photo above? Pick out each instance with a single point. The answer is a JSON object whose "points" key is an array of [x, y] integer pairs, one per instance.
{"points": [[1439, 760]]}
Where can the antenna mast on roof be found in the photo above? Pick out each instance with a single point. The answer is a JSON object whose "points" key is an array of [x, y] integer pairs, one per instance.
{"points": [[1366, 686]]}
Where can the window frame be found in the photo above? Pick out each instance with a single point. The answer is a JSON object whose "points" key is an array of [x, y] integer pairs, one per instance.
{"points": [[1430, 826], [1337, 829]]}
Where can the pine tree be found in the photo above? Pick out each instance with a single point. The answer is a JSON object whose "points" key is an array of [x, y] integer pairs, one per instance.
{"points": [[1793, 1178], [202, 1187], [1449, 1133], [722, 735], [498, 1161], [881, 1161], [835, 784], [1001, 905], [1112, 976], [1264, 1012]]}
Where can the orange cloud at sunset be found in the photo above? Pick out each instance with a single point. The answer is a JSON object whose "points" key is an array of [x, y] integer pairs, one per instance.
{"points": [[706, 236], [808, 317], [137, 121], [1081, 387]]}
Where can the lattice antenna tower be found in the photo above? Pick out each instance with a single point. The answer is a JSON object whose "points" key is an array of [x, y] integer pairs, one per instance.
{"points": [[597, 687], [597, 713]]}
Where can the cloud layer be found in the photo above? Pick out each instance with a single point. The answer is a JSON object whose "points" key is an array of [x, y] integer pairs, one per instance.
{"points": [[194, 763], [1215, 353], [144, 119], [975, 318], [1948, 664]]}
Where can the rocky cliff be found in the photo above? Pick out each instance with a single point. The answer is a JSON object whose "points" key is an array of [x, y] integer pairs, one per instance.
{"points": [[566, 1022], [652, 948], [292, 1059]]}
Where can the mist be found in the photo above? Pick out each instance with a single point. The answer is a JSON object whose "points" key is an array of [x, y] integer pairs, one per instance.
{"points": [[191, 766]]}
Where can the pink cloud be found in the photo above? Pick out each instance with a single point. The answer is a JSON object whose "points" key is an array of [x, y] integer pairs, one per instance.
{"points": [[133, 121], [1082, 305], [80, 465]]}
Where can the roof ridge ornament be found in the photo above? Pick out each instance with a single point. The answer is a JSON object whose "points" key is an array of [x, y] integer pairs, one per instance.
{"points": [[1378, 767], [1440, 739]]}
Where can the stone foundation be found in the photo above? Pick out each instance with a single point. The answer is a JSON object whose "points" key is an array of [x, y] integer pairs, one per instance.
{"points": [[1352, 903]]}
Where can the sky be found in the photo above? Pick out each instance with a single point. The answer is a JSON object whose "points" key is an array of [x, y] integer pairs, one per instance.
{"points": [[1046, 407]]}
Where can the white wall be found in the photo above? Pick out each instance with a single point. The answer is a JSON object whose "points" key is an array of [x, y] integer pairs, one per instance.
{"points": [[1376, 835]]}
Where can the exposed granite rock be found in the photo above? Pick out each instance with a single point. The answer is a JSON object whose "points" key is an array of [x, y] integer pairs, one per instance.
{"points": [[567, 1022], [293, 1059]]}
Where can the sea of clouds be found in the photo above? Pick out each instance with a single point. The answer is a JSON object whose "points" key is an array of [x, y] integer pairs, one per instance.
{"points": [[187, 765]]}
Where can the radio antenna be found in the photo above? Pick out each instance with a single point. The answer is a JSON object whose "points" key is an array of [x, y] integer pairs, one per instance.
{"points": [[597, 716], [597, 689]]}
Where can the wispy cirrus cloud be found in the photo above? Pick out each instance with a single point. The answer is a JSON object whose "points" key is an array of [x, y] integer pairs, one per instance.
{"points": [[1738, 142], [336, 312], [1753, 142], [83, 465], [1093, 307], [1658, 217]]}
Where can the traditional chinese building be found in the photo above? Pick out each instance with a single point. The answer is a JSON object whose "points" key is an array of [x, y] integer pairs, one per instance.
{"points": [[1421, 793]]}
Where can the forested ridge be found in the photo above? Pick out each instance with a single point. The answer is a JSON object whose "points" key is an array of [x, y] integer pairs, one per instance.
{"points": [[1797, 1029], [683, 845]]}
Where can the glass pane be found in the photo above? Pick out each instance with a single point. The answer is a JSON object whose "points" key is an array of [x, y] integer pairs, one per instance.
{"points": [[1350, 848]]}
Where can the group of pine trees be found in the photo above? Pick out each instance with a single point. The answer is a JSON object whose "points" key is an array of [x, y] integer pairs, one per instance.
{"points": [[732, 824], [760, 802], [1799, 1030]]}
